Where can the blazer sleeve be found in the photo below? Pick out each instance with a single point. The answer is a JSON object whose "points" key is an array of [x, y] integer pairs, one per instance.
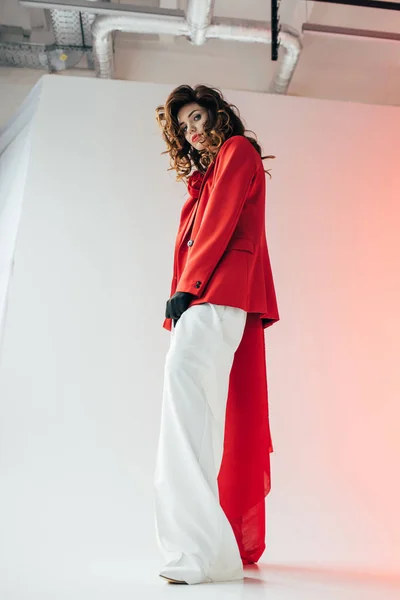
{"points": [[234, 172]]}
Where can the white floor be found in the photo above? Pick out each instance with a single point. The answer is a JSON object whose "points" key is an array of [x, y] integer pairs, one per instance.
{"points": [[272, 582], [276, 583]]}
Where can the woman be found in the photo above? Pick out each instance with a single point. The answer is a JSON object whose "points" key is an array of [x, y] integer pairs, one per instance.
{"points": [[212, 470]]}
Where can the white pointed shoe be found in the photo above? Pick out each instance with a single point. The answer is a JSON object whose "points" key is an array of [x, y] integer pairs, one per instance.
{"points": [[173, 580]]}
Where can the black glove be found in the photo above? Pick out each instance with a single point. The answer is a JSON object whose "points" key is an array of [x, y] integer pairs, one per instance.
{"points": [[177, 305]]}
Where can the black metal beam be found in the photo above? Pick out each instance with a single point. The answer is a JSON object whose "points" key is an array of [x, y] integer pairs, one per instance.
{"points": [[384, 5], [275, 29]]}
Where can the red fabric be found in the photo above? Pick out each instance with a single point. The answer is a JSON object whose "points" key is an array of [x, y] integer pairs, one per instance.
{"points": [[229, 259], [245, 478]]}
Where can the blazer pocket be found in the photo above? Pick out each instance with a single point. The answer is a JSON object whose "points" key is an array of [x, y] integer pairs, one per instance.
{"points": [[241, 244]]}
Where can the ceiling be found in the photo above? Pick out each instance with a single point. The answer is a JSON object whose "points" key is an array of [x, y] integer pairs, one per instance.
{"points": [[331, 66]]}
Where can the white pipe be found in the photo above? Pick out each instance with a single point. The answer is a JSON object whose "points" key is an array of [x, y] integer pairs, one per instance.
{"points": [[103, 28]]}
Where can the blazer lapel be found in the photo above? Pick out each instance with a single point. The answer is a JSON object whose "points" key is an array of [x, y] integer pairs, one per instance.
{"points": [[193, 213]]}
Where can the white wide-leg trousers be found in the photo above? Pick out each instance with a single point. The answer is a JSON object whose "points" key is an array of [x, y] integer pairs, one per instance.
{"points": [[192, 530]]}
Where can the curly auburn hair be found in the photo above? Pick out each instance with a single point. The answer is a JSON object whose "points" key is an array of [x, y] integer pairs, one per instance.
{"points": [[222, 123]]}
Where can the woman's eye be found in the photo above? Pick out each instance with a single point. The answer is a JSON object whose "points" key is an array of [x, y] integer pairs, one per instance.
{"points": [[184, 127]]}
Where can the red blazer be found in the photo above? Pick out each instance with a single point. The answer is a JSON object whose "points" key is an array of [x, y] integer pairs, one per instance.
{"points": [[221, 256], [221, 253]]}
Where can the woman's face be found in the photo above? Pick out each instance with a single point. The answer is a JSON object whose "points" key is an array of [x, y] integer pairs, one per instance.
{"points": [[192, 118]]}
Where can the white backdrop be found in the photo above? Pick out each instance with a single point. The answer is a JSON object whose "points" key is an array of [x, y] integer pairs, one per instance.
{"points": [[15, 136], [83, 351]]}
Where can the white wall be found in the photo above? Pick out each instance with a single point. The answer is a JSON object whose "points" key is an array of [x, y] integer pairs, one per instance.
{"points": [[82, 365], [15, 85]]}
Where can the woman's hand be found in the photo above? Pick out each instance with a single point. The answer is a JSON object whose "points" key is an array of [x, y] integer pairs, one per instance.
{"points": [[177, 305]]}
